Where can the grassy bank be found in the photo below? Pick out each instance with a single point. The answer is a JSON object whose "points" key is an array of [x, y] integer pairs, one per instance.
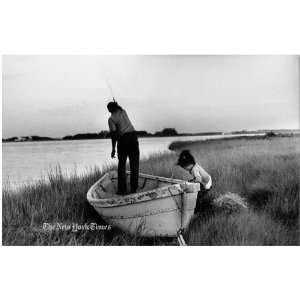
{"points": [[264, 171]]}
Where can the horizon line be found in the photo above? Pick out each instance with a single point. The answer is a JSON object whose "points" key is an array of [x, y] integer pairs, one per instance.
{"points": [[148, 132]]}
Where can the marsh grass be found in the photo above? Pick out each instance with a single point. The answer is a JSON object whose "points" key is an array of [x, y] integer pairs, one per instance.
{"points": [[244, 228], [264, 172]]}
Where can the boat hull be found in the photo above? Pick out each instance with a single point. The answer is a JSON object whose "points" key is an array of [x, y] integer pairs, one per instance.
{"points": [[158, 212]]}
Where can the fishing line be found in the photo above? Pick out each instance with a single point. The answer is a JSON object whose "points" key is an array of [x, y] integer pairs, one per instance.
{"points": [[108, 85], [110, 88]]}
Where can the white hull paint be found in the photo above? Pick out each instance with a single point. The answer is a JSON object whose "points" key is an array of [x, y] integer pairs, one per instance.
{"points": [[161, 211]]}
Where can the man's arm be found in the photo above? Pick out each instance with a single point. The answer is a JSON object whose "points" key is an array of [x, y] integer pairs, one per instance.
{"points": [[113, 143], [113, 133]]}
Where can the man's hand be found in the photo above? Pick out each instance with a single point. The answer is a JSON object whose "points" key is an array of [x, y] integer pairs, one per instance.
{"points": [[113, 153]]}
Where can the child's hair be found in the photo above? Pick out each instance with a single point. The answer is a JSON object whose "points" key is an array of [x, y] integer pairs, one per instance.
{"points": [[185, 159], [113, 106]]}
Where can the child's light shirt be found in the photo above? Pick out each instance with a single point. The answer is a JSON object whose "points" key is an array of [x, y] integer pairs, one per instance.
{"points": [[201, 176]]}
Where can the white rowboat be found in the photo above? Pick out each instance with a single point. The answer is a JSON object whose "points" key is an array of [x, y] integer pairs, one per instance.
{"points": [[161, 207]]}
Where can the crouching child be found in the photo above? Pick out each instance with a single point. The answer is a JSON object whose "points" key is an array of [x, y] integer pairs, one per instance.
{"points": [[188, 162]]}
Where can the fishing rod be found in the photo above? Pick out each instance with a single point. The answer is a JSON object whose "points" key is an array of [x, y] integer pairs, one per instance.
{"points": [[110, 89], [108, 85]]}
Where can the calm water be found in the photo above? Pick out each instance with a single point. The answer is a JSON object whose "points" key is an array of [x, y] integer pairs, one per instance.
{"points": [[26, 162]]}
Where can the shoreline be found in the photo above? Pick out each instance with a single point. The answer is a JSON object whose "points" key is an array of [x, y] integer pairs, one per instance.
{"points": [[49, 139], [260, 132], [173, 147], [15, 182], [180, 144]]}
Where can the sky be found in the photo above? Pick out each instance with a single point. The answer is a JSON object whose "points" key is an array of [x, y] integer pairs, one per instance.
{"points": [[51, 95]]}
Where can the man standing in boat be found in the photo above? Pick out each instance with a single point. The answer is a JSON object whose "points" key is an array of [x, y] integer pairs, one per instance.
{"points": [[123, 133]]}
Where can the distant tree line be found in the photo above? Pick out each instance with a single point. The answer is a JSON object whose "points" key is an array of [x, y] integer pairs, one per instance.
{"points": [[104, 134], [31, 138], [101, 135]]}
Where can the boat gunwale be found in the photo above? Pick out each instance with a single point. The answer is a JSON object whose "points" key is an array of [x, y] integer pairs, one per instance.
{"points": [[128, 199]]}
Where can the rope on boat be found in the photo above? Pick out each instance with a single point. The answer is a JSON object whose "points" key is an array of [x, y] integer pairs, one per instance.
{"points": [[180, 238]]}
